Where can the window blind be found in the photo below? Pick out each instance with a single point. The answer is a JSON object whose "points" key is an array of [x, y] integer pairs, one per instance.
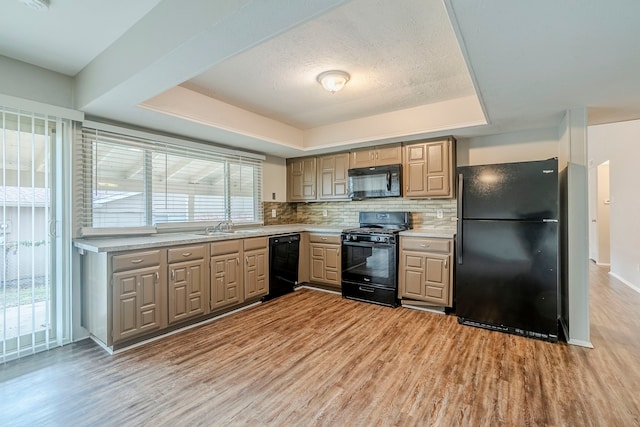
{"points": [[129, 182]]}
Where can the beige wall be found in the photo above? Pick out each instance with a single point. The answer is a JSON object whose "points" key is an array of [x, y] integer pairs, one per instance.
{"points": [[536, 144], [35, 83], [618, 143], [274, 179]]}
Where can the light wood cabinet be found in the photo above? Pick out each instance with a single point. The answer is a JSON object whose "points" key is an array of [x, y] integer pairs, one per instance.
{"points": [[138, 288], [188, 282], [256, 269], [428, 169], [325, 262], [376, 156], [333, 176], [227, 284], [425, 270], [301, 179]]}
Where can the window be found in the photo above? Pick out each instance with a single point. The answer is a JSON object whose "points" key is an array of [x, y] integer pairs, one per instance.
{"points": [[140, 181]]}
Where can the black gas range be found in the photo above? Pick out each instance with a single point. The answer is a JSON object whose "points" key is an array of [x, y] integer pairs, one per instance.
{"points": [[370, 257]]}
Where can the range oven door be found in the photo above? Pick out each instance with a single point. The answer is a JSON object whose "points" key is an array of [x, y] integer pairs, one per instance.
{"points": [[370, 263]]}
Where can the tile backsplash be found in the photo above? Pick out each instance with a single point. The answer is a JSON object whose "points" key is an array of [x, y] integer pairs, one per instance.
{"points": [[424, 212]]}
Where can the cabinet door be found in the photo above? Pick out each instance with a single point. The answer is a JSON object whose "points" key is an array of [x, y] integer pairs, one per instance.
{"points": [[362, 158], [226, 280], [302, 179], [412, 273], [333, 176], [256, 275], [437, 284], [317, 273], [428, 169], [438, 170], [136, 302], [388, 155], [333, 265], [186, 290]]}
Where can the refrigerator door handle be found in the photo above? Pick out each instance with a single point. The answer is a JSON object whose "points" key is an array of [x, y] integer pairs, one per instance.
{"points": [[459, 236]]}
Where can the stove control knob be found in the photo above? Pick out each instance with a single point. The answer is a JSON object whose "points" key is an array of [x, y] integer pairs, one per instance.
{"points": [[378, 238], [347, 237], [354, 237], [386, 240]]}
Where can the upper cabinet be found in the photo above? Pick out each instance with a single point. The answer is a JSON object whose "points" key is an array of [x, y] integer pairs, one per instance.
{"points": [[428, 169], [333, 176], [318, 178], [301, 179], [376, 156]]}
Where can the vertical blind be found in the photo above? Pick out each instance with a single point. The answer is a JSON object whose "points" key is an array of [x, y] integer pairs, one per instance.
{"points": [[132, 182], [31, 300]]}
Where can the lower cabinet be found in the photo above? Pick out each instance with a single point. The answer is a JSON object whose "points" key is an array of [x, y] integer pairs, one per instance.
{"points": [[325, 262], [227, 284], [188, 282], [127, 296], [425, 271], [256, 268], [138, 294]]}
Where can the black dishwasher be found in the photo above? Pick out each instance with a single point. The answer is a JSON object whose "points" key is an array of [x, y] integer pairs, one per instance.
{"points": [[283, 264]]}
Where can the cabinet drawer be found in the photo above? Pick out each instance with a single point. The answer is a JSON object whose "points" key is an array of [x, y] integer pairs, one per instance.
{"points": [[255, 243], [136, 260], [426, 245], [185, 253], [324, 238], [225, 247]]}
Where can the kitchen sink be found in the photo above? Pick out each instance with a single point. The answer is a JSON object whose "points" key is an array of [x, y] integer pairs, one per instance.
{"points": [[224, 233]]}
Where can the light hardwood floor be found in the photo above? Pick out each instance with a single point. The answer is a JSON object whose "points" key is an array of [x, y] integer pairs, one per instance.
{"points": [[312, 358]]}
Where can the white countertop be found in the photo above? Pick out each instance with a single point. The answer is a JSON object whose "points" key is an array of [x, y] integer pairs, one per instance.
{"points": [[126, 243], [429, 232]]}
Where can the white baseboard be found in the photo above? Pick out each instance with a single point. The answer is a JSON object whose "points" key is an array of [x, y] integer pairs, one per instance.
{"points": [[313, 288], [580, 343], [159, 337], [430, 310], [626, 282]]}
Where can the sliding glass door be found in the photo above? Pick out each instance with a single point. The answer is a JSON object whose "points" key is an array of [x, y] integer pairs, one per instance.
{"points": [[27, 233]]}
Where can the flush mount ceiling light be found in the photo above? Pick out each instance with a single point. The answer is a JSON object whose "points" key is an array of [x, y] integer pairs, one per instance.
{"points": [[36, 4], [333, 80]]}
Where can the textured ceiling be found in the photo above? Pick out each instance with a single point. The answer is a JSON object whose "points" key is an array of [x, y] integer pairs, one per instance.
{"points": [[398, 57], [254, 65]]}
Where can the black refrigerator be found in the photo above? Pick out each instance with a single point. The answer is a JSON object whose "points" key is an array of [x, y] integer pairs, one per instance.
{"points": [[507, 248]]}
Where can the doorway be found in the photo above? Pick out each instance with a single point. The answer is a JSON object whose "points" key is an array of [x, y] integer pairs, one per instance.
{"points": [[599, 211]]}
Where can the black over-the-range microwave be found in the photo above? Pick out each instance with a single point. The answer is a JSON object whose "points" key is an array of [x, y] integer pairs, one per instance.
{"points": [[378, 181]]}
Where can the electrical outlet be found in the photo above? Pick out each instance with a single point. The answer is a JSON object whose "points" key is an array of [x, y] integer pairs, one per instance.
{"points": [[439, 213], [324, 212], [273, 213]]}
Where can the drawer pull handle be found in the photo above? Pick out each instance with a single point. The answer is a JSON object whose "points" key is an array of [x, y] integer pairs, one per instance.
{"points": [[137, 261], [424, 246], [186, 254], [237, 261], [173, 274], [363, 289], [324, 238], [446, 263]]}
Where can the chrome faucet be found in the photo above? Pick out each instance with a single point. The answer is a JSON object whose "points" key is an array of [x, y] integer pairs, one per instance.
{"points": [[221, 227]]}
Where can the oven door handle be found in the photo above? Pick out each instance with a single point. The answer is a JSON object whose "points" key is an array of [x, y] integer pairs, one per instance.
{"points": [[388, 180], [369, 244]]}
